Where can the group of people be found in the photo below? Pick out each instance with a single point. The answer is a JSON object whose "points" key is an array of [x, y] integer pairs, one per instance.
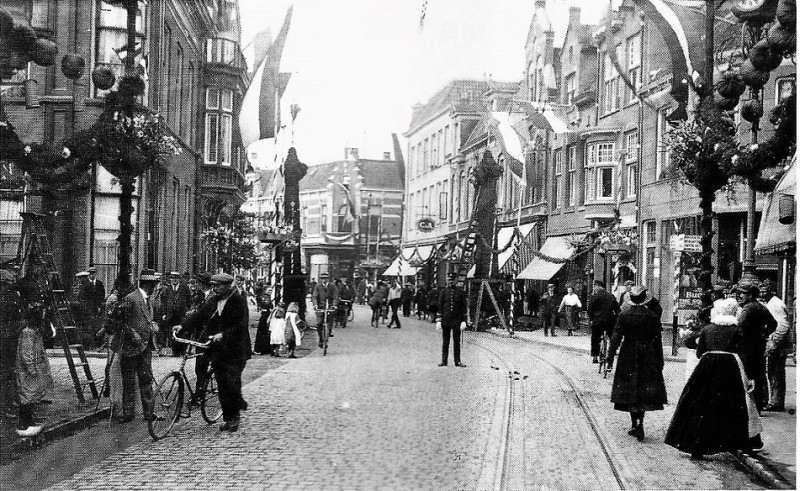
{"points": [[741, 343]]}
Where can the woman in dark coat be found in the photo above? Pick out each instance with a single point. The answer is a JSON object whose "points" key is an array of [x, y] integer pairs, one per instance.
{"points": [[262, 344], [715, 413], [638, 381], [376, 304]]}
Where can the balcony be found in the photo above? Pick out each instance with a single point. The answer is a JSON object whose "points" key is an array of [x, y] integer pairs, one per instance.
{"points": [[223, 182], [224, 52]]}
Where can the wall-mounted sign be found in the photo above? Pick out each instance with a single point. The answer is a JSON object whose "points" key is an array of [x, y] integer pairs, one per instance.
{"points": [[426, 224]]}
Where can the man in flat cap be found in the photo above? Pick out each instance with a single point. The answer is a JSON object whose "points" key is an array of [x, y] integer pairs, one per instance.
{"points": [[452, 316], [756, 324], [549, 306], [132, 341], [222, 320], [175, 302], [325, 296]]}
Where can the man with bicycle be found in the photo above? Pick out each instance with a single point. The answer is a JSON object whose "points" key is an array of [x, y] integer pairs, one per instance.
{"points": [[603, 310], [325, 297], [224, 322]]}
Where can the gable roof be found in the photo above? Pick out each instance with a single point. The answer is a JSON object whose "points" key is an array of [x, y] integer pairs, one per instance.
{"points": [[377, 174], [458, 95]]}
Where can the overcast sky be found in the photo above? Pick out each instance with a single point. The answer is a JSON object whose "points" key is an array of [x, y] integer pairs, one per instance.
{"points": [[359, 65]]}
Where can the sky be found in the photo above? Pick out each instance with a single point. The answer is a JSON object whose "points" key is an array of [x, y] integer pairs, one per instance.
{"points": [[359, 65]]}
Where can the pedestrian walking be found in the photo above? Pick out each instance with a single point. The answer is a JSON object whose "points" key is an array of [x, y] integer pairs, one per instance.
{"points": [[549, 306], [361, 290], [376, 304], [132, 343], [532, 297], [715, 413], [93, 295], [10, 329], [432, 305], [223, 322], [277, 329], [325, 296], [602, 309], [406, 298], [779, 345], [395, 300], [624, 295], [34, 379], [638, 381], [294, 336], [348, 293], [569, 306], [757, 325], [175, 302], [452, 316], [262, 345]]}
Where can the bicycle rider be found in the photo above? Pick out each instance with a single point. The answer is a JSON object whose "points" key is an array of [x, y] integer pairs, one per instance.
{"points": [[603, 310], [325, 296]]}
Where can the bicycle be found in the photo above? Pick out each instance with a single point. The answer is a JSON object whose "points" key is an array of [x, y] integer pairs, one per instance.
{"points": [[602, 366], [168, 396], [325, 328]]}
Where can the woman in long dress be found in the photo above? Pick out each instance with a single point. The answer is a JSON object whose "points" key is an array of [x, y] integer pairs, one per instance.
{"points": [[638, 380], [293, 335], [570, 305], [277, 329], [715, 412]]}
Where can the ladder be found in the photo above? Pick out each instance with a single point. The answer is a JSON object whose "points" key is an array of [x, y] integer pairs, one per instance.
{"points": [[465, 262], [35, 254]]}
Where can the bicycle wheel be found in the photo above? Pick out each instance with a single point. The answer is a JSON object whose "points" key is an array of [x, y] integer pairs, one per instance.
{"points": [[210, 405], [351, 315], [325, 336], [166, 405]]}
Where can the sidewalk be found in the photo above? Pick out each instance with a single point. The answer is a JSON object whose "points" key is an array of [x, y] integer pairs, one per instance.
{"points": [[778, 459]]}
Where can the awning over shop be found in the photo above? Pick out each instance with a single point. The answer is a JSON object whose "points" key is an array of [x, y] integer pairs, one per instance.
{"points": [[509, 261], [407, 252], [424, 252], [542, 269], [394, 268], [408, 270], [503, 236], [774, 236]]}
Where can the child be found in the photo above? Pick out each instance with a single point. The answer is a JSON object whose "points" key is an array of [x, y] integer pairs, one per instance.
{"points": [[33, 379], [277, 326], [293, 335]]}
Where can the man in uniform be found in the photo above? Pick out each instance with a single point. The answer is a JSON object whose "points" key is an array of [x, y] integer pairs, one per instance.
{"points": [[325, 296], [602, 310], [226, 327], [452, 316], [549, 304]]}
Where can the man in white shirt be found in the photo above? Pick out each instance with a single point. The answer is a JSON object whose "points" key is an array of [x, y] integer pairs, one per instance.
{"points": [[779, 345]]}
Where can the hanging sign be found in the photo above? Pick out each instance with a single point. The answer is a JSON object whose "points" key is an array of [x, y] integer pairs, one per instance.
{"points": [[426, 224]]}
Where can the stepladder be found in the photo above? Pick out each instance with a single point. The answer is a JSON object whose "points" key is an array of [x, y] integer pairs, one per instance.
{"points": [[50, 301]]}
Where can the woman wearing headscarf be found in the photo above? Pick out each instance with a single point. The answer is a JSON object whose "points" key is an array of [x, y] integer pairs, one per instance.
{"points": [[715, 412], [638, 381]]}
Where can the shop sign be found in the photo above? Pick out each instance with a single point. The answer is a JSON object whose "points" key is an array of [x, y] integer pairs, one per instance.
{"points": [[426, 224]]}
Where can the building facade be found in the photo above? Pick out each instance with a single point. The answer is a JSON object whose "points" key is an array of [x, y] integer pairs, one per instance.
{"points": [[189, 57]]}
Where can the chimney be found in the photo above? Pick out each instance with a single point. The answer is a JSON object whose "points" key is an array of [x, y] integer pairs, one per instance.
{"points": [[387, 155], [574, 15], [350, 153]]}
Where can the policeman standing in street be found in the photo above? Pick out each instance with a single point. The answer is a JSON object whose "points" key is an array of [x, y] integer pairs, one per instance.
{"points": [[452, 319]]}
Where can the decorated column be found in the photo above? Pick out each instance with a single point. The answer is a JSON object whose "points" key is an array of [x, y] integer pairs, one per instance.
{"points": [[294, 286]]}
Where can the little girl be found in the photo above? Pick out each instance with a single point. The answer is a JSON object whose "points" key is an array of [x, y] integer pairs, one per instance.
{"points": [[293, 335], [33, 379], [277, 326]]}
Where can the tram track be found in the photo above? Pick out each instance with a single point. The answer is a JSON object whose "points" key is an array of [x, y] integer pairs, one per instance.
{"points": [[507, 470]]}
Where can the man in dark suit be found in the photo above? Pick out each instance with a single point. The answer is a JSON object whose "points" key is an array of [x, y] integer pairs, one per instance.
{"points": [[602, 310], [222, 320], [132, 342], [94, 293], [324, 296], [176, 300], [549, 306], [757, 324], [452, 319]]}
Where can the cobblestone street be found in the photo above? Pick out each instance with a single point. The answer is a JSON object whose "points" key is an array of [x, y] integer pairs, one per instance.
{"points": [[377, 413]]}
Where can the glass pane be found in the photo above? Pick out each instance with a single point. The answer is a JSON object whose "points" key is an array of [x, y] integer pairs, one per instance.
{"points": [[212, 98], [227, 100], [605, 183], [225, 139], [212, 129]]}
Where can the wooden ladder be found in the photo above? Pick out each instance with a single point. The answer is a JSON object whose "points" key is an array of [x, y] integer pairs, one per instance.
{"points": [[34, 250]]}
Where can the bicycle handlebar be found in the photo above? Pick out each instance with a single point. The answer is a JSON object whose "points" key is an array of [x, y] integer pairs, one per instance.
{"points": [[190, 342]]}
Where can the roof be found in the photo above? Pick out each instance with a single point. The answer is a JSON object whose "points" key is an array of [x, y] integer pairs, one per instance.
{"points": [[774, 236], [458, 95], [377, 174]]}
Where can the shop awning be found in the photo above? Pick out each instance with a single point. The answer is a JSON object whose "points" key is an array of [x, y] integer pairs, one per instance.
{"points": [[407, 252], [424, 252], [407, 269], [503, 236], [542, 269], [774, 236], [511, 263], [394, 268]]}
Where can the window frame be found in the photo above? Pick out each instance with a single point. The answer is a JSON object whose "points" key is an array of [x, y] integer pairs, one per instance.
{"points": [[558, 170]]}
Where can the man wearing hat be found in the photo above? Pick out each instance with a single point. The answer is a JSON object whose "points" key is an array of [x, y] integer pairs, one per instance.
{"points": [[602, 310], [757, 324], [132, 342], [549, 306], [93, 293], [222, 320], [325, 296], [639, 380], [779, 345], [624, 296], [452, 316], [175, 302]]}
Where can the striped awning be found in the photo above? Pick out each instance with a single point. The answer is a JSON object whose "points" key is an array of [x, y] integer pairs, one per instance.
{"points": [[542, 269], [774, 236]]}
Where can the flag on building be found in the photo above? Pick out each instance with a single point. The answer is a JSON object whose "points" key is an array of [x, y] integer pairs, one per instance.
{"points": [[259, 117]]}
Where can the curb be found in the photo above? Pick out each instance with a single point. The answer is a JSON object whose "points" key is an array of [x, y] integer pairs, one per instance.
{"points": [[58, 353], [57, 431], [762, 470]]}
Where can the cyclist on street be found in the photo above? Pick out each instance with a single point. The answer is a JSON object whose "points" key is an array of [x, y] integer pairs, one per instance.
{"points": [[602, 310], [325, 296]]}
